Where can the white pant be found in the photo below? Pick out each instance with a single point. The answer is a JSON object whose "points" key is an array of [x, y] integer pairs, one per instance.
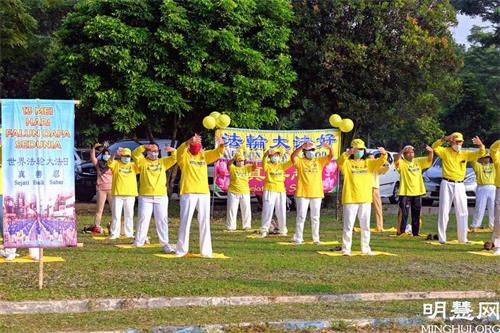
{"points": [[127, 203], [243, 201], [302, 207], [485, 197], [452, 193], [190, 203], [362, 210], [158, 206], [274, 201], [496, 230]]}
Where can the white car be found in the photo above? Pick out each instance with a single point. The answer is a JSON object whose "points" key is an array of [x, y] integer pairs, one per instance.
{"points": [[389, 182]]}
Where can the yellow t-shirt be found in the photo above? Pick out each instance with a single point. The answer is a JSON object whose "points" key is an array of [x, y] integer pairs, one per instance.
{"points": [[153, 177], [411, 182], [239, 177], [275, 175], [310, 177], [358, 178], [495, 154], [124, 178], [455, 164], [485, 174], [194, 173]]}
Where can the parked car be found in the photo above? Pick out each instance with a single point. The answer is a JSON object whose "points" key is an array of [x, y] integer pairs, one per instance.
{"points": [[84, 154], [389, 182], [86, 176], [434, 175]]}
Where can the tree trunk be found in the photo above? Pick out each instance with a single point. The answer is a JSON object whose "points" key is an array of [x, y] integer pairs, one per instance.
{"points": [[173, 171]]}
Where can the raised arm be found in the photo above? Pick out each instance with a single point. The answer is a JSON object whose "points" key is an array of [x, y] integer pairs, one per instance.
{"points": [[375, 165], [137, 154], [93, 158], [169, 161], [474, 155], [213, 155]]}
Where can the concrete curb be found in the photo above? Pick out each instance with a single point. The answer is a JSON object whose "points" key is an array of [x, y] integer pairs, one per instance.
{"points": [[112, 304]]}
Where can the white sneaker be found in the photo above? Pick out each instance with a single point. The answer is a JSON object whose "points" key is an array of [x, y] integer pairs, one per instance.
{"points": [[168, 249], [113, 237], [264, 234], [496, 252], [346, 253]]}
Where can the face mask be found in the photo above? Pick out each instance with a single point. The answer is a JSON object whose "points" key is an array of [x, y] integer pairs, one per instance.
{"points": [[195, 148], [152, 155], [457, 148], [240, 163], [106, 157], [309, 154], [358, 154], [274, 159], [125, 159]]}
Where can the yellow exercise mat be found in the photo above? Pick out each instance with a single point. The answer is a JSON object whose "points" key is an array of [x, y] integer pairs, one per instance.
{"points": [[478, 231], [484, 253], [309, 243], [193, 255], [356, 253], [357, 229], [27, 259], [259, 236], [132, 246], [239, 231], [103, 238], [455, 242], [407, 235]]}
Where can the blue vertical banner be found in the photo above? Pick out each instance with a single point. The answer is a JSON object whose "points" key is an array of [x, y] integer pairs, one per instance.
{"points": [[38, 173]]}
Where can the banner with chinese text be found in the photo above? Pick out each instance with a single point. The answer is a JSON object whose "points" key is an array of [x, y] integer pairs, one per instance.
{"points": [[38, 173], [253, 144]]}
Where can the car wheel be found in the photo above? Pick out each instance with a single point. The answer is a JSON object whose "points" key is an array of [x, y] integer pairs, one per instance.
{"points": [[394, 198]]}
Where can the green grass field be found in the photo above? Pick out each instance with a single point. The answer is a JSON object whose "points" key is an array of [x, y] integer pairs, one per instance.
{"points": [[256, 267]]}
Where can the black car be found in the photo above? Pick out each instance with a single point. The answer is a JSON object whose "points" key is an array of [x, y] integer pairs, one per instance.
{"points": [[86, 176]]}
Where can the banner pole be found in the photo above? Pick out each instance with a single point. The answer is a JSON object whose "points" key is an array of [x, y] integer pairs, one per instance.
{"points": [[40, 270]]}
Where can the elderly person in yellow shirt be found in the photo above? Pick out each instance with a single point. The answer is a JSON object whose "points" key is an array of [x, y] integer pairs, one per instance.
{"points": [[485, 191], [309, 188], [123, 191], [153, 197], [239, 192], [357, 192], [411, 186], [274, 196], [495, 154], [452, 189], [195, 193]]}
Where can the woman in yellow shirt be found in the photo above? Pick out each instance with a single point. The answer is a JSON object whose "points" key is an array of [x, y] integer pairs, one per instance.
{"points": [[238, 193], [495, 154], [357, 192], [485, 191], [274, 196], [123, 191], [153, 192]]}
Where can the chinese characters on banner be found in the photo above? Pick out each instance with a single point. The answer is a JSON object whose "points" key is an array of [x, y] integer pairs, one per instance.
{"points": [[38, 173], [253, 144]]}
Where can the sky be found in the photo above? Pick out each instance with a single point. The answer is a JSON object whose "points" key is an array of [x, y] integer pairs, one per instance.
{"points": [[462, 30]]}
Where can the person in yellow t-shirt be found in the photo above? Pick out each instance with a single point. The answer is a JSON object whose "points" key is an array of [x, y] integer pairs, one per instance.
{"points": [[153, 198], [238, 193], [357, 192], [195, 192], [274, 195], [123, 192], [485, 191], [452, 189], [495, 155], [411, 186], [309, 188]]}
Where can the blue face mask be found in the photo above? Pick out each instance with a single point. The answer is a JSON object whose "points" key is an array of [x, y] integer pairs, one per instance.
{"points": [[125, 159], [309, 154], [152, 155], [105, 157], [274, 159], [359, 154]]}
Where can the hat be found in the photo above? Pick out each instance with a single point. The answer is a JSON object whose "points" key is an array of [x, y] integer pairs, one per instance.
{"points": [[408, 147], [458, 136], [358, 143], [126, 152], [239, 156]]}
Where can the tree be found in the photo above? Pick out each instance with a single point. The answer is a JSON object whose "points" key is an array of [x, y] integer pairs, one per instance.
{"points": [[163, 66], [382, 63], [489, 11]]}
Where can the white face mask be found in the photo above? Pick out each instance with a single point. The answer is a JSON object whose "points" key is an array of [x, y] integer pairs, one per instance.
{"points": [[309, 154], [125, 159], [274, 159], [240, 163], [152, 155], [456, 147], [106, 157]]}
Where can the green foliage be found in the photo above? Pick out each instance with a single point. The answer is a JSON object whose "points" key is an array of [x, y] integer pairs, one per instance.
{"points": [[16, 25], [165, 65], [489, 11]]}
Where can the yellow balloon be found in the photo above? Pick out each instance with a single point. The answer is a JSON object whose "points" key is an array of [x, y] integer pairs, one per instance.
{"points": [[223, 121], [347, 125], [209, 122], [335, 120], [215, 115]]}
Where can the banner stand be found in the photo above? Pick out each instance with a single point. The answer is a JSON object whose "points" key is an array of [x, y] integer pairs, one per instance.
{"points": [[40, 270]]}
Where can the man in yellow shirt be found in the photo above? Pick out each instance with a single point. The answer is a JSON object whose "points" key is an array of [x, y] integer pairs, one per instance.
{"points": [[274, 196], [411, 186], [452, 189], [153, 196], [195, 193], [357, 192], [239, 192], [309, 188], [485, 191], [495, 154], [123, 192]]}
